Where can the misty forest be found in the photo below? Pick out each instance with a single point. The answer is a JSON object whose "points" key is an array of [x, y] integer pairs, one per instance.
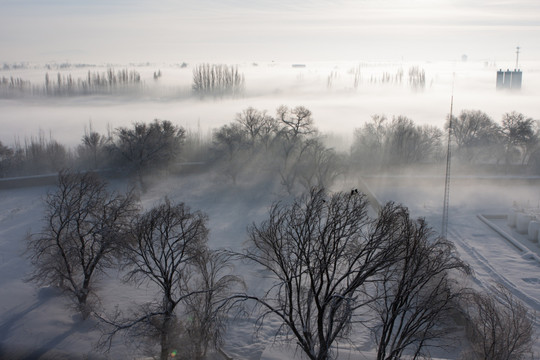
{"points": [[290, 225]]}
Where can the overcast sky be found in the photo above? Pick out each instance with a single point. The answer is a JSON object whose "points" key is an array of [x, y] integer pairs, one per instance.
{"points": [[266, 30]]}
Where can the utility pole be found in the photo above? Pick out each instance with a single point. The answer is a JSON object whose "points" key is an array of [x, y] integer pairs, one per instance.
{"points": [[444, 228]]}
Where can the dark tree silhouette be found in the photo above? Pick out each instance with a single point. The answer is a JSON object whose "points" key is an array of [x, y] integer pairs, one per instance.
{"points": [[85, 228], [259, 126], [168, 239], [500, 326], [209, 306], [474, 133], [169, 252], [369, 142], [92, 151], [398, 142], [519, 136], [295, 126], [217, 80], [6, 157], [148, 146], [321, 251], [417, 297], [229, 147]]}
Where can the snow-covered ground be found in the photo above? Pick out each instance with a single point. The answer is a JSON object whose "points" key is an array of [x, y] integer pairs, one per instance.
{"points": [[37, 322], [492, 257]]}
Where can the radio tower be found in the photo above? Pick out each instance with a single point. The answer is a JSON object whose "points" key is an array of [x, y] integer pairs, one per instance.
{"points": [[444, 230], [517, 57]]}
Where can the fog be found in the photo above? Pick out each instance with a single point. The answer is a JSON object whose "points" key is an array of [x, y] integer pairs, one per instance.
{"points": [[468, 194], [328, 89], [322, 70]]}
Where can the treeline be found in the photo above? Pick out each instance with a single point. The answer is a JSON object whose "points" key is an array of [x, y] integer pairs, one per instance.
{"points": [[143, 147], [476, 139], [49, 66], [217, 80], [208, 80], [95, 83], [287, 146], [416, 78]]}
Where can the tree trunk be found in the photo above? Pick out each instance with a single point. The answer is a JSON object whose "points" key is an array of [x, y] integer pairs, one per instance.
{"points": [[82, 298], [164, 338]]}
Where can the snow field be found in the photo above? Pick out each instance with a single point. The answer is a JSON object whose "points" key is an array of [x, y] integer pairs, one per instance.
{"points": [[38, 322]]}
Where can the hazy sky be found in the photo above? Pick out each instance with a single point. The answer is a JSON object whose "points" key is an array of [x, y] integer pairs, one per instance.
{"points": [[265, 30]]}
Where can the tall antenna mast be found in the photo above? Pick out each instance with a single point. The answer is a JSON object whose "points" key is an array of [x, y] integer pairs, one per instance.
{"points": [[444, 230], [517, 57]]}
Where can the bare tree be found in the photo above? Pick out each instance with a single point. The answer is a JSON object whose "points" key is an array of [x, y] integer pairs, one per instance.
{"points": [[6, 155], [260, 127], [287, 145], [317, 165], [42, 154], [500, 326], [207, 309], [169, 252], [93, 148], [5, 152], [148, 145], [407, 143], [417, 78], [217, 80], [229, 147], [398, 142], [321, 251], [295, 127], [519, 136], [168, 239], [474, 131], [85, 227], [369, 141], [295, 123], [416, 298]]}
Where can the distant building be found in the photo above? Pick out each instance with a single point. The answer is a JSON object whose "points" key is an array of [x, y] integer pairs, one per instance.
{"points": [[509, 79], [500, 79], [516, 80]]}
